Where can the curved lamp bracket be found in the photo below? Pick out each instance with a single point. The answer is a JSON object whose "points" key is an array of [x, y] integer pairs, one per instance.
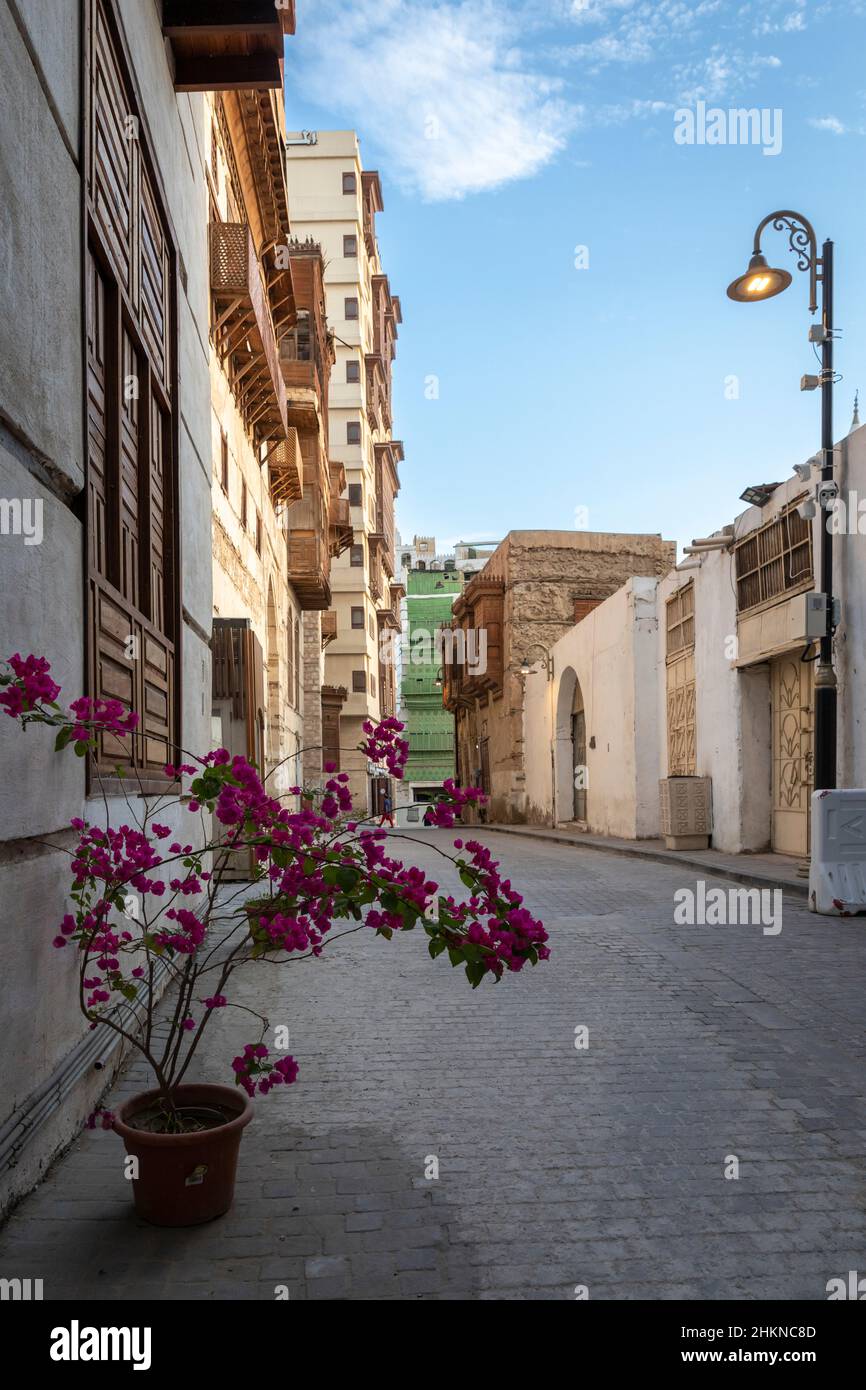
{"points": [[802, 241]]}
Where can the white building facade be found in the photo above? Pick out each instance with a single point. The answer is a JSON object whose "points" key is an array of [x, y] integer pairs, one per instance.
{"points": [[706, 673]]}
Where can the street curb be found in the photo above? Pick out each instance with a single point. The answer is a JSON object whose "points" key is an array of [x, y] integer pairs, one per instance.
{"points": [[758, 880]]}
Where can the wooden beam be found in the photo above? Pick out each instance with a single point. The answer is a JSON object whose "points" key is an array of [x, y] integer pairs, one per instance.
{"points": [[220, 73], [202, 17]]}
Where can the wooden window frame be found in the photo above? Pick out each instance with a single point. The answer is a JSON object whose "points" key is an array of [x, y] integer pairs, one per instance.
{"points": [[761, 554], [348, 252], [350, 182], [120, 273], [680, 622], [353, 373], [357, 617], [359, 682], [356, 494], [224, 462], [351, 427], [356, 550], [351, 308]]}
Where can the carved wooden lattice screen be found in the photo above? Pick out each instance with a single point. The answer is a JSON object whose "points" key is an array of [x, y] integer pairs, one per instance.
{"points": [[680, 681]]}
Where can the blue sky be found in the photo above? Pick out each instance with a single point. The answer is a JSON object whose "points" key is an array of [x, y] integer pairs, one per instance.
{"points": [[509, 134]]}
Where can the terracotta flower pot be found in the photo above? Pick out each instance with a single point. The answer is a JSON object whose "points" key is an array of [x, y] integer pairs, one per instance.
{"points": [[186, 1179]]}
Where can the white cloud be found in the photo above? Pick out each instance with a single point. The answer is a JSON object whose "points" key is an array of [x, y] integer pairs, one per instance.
{"points": [[721, 75], [441, 90], [831, 123]]}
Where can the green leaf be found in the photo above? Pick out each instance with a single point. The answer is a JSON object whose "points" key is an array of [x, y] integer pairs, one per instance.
{"points": [[81, 747], [347, 879], [474, 973], [436, 948], [467, 877], [62, 738], [455, 955]]}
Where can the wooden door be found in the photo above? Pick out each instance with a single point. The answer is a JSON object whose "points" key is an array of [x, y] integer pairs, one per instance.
{"points": [[578, 738], [791, 684]]}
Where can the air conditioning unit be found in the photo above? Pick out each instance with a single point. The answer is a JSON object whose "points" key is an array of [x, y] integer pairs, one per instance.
{"points": [[686, 806]]}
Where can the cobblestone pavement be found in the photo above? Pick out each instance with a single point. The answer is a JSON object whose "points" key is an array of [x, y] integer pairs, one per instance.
{"points": [[558, 1167]]}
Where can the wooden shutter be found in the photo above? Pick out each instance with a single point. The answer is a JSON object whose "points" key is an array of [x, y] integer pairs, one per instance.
{"points": [[113, 150], [133, 622], [298, 663], [97, 371], [153, 280], [331, 734]]}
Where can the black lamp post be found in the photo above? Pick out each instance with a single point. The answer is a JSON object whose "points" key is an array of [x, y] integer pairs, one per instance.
{"points": [[761, 281]]}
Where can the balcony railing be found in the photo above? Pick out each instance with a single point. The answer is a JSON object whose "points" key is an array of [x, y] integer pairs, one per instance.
{"points": [[286, 470], [342, 532], [309, 560], [329, 626], [244, 332]]}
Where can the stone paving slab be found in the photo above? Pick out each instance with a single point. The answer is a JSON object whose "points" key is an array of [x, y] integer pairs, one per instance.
{"points": [[762, 870], [557, 1167]]}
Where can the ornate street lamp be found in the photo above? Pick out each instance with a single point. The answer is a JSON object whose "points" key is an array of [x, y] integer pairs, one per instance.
{"points": [[548, 661], [762, 281]]}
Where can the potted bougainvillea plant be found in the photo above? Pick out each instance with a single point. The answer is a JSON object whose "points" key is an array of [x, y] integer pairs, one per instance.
{"points": [[312, 868]]}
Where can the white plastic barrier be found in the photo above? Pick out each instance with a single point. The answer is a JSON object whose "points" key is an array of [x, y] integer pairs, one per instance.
{"points": [[837, 874]]}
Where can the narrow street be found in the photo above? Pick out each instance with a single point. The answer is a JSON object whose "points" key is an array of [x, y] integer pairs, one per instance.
{"points": [[558, 1166]]}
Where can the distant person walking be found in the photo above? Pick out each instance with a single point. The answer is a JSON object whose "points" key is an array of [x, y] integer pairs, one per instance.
{"points": [[387, 811]]}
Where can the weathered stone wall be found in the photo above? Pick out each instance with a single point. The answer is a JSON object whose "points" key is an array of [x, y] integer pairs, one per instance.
{"points": [[545, 574]]}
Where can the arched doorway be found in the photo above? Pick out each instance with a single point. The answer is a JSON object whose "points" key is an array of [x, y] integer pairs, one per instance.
{"points": [[569, 750]]}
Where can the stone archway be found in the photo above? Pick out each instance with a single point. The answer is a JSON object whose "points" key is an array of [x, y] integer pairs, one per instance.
{"points": [[569, 750]]}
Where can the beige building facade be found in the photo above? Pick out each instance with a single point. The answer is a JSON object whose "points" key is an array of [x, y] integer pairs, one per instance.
{"points": [[335, 202], [510, 615]]}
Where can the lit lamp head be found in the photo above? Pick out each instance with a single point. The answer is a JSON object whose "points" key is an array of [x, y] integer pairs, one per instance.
{"points": [[524, 667], [760, 281]]}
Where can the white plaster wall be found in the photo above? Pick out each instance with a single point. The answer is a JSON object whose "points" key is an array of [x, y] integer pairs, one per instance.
{"points": [[40, 250], [612, 652], [41, 457], [849, 582], [538, 746], [719, 706]]}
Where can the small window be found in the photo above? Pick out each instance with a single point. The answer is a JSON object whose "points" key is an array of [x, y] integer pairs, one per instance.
{"points": [[356, 495], [372, 684], [258, 532], [353, 432], [350, 308], [356, 555], [353, 371], [349, 183], [370, 627], [350, 245], [243, 503], [359, 682], [357, 617], [224, 462]]}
